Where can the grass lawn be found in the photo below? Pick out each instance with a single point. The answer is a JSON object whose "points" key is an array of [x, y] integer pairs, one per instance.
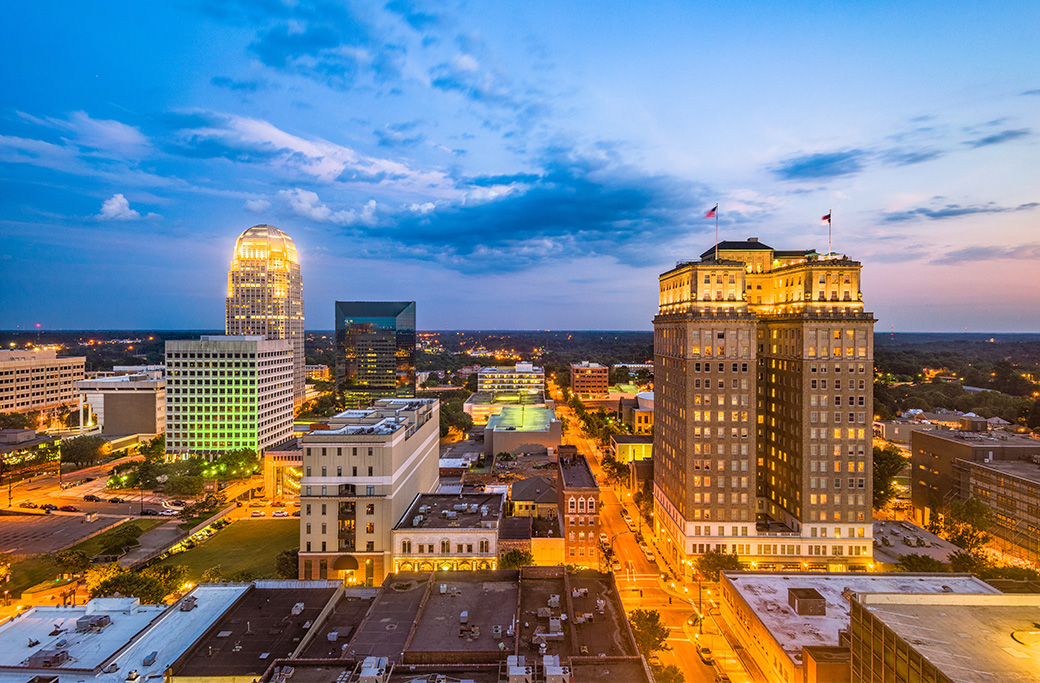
{"points": [[249, 545], [36, 569]]}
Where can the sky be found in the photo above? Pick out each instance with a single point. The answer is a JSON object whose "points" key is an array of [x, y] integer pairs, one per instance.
{"points": [[514, 165]]}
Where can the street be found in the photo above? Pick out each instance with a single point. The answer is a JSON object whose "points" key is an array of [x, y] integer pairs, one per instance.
{"points": [[642, 583]]}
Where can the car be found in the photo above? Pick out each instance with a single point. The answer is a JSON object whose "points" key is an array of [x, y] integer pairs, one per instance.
{"points": [[705, 655], [27, 504], [278, 504], [116, 499], [149, 512], [296, 503], [280, 513], [256, 504], [178, 503], [48, 506], [91, 498], [69, 508], [84, 480], [603, 539], [256, 513], [169, 513], [296, 513], [615, 566]]}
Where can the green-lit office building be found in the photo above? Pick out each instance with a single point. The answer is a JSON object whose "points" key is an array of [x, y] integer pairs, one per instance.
{"points": [[375, 349]]}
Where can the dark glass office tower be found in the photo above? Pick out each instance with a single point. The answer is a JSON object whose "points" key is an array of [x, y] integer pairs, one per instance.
{"points": [[375, 349]]}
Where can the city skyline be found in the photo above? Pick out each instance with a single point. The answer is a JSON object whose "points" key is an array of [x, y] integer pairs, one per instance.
{"points": [[500, 153]]}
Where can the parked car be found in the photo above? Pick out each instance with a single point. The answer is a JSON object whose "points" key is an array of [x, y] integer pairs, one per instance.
{"points": [[48, 506], [169, 513], [256, 513], [705, 655], [149, 512], [84, 480], [256, 504], [278, 504], [69, 508], [116, 499], [280, 513], [296, 513], [178, 503], [27, 504], [91, 498], [603, 539]]}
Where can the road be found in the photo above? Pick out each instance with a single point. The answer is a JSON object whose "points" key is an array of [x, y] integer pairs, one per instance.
{"points": [[642, 583]]}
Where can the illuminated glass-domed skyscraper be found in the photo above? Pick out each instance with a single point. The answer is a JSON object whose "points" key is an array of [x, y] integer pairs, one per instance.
{"points": [[265, 293]]}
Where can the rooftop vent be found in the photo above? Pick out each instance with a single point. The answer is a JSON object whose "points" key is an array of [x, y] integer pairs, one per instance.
{"points": [[807, 602]]}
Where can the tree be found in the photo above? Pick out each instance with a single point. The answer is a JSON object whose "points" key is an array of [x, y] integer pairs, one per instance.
{"points": [[709, 564], [214, 574], [1033, 417], [666, 673], [963, 562], [915, 562], [148, 589], [16, 421], [515, 559], [170, 576], [155, 449], [5, 568], [84, 450], [650, 633], [620, 375], [888, 462], [72, 561], [966, 523], [615, 471], [115, 541], [287, 564], [644, 500], [99, 573], [183, 485]]}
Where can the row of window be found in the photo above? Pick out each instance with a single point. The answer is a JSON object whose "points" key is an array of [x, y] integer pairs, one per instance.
{"points": [[483, 547]]}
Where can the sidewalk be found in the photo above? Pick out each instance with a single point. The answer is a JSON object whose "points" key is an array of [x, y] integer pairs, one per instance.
{"points": [[155, 541]]}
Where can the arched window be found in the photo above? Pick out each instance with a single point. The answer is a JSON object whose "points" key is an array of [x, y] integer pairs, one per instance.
{"points": [[592, 504], [570, 504], [485, 546], [406, 546], [581, 505], [445, 546]]}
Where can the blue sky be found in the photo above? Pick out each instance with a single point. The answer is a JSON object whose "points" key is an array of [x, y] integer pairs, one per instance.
{"points": [[514, 164]]}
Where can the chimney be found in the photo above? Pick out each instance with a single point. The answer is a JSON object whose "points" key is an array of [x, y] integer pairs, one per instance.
{"points": [[752, 239]]}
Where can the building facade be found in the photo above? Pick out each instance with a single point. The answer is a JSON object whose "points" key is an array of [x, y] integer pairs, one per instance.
{"points": [[38, 380], [265, 294], [1002, 470], [125, 403], [763, 387], [579, 510], [283, 471], [590, 380], [449, 532], [228, 392], [375, 349], [523, 378], [361, 472]]}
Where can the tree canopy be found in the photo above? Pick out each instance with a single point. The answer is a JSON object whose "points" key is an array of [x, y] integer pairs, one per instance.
{"points": [[709, 564], [84, 450], [888, 462], [650, 633]]}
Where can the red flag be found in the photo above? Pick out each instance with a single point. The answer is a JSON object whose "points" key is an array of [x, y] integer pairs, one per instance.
{"points": [[826, 219], [711, 213]]}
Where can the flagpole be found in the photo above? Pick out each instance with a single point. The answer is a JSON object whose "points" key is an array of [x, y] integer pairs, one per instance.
{"points": [[830, 213], [716, 231]]}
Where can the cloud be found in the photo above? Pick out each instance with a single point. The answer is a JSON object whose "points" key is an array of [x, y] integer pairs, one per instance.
{"points": [[399, 134], [97, 137], [117, 209], [257, 205], [237, 86], [820, 166], [463, 73], [420, 20], [1031, 92], [1028, 252], [908, 157], [307, 204], [997, 138], [256, 141], [952, 211]]}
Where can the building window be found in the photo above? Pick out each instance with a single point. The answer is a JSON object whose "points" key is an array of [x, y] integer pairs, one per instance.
{"points": [[370, 471], [370, 509], [571, 505], [370, 528], [445, 547], [370, 490], [406, 546]]}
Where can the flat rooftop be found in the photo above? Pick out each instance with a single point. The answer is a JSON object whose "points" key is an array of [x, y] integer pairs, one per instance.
{"points": [[385, 630], [522, 419], [1021, 469], [343, 621], [575, 474], [632, 438], [970, 638], [135, 632], [453, 511], [991, 439], [535, 398], [766, 593], [620, 670], [264, 625], [488, 598]]}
